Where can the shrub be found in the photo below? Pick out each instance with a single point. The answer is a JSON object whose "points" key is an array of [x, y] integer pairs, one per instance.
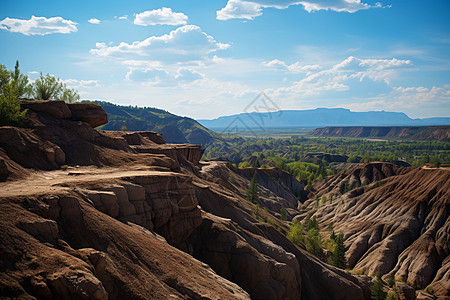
{"points": [[45, 88], [49, 87], [295, 233]]}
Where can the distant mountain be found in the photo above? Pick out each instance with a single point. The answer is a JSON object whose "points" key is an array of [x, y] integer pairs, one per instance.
{"points": [[175, 129], [320, 117], [421, 133]]}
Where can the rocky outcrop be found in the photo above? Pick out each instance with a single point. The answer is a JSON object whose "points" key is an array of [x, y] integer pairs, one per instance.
{"points": [[277, 188], [89, 113], [121, 262], [358, 176], [133, 218], [396, 225], [229, 238]]}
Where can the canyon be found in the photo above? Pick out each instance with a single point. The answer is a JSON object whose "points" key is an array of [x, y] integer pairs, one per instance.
{"points": [[93, 214]]}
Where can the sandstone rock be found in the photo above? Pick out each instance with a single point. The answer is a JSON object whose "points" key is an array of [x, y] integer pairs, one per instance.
{"points": [[42, 229], [55, 108], [406, 292], [105, 202], [76, 284], [39, 287], [90, 113]]}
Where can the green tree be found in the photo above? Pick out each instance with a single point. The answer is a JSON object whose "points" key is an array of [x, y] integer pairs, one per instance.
{"points": [[295, 233], [313, 241], [10, 113], [20, 81], [338, 257], [69, 95], [311, 222], [252, 192], [376, 290], [47, 87], [283, 214]]}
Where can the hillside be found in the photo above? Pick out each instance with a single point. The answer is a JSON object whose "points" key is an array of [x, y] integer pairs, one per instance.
{"points": [[131, 217], [420, 133], [319, 117], [395, 222], [175, 129]]}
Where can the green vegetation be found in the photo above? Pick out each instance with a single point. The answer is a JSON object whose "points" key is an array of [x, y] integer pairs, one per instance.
{"points": [[49, 87], [289, 154], [14, 85], [11, 87], [252, 192], [175, 129], [295, 233], [377, 292], [283, 214], [338, 251]]}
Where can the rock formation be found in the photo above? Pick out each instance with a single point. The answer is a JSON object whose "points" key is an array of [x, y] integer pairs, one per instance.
{"points": [[395, 221], [131, 217]]}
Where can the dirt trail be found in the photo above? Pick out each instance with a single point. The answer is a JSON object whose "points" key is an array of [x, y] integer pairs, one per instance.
{"points": [[40, 182]]}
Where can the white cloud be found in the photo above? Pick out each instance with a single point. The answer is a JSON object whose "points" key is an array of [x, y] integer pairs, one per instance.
{"points": [[162, 16], [341, 75], [94, 21], [124, 17], [236, 9], [80, 84], [408, 99], [249, 9], [186, 43], [39, 25], [293, 68]]}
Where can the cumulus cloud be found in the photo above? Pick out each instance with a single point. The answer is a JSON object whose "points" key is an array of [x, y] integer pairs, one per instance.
{"points": [[185, 43], [339, 76], [408, 99], [236, 9], [94, 21], [188, 75], [157, 75], [293, 68], [80, 84], [39, 25], [162, 16], [249, 9]]}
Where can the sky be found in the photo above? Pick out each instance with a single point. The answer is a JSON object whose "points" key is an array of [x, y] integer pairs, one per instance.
{"points": [[206, 59]]}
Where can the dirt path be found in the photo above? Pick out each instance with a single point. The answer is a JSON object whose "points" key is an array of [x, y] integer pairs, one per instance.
{"points": [[48, 182]]}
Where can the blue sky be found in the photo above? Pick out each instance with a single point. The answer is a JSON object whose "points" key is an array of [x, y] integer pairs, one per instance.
{"points": [[205, 59]]}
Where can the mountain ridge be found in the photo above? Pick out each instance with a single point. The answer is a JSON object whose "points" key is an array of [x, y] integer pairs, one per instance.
{"points": [[320, 117]]}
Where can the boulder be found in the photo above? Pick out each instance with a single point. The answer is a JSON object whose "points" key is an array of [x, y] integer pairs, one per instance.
{"points": [[55, 108], [90, 113]]}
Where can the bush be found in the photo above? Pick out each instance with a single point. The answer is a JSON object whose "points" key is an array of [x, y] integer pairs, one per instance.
{"points": [[49, 87]]}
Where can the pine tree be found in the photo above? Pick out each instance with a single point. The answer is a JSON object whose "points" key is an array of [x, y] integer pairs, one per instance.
{"points": [[338, 257], [252, 192], [283, 214], [376, 290]]}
